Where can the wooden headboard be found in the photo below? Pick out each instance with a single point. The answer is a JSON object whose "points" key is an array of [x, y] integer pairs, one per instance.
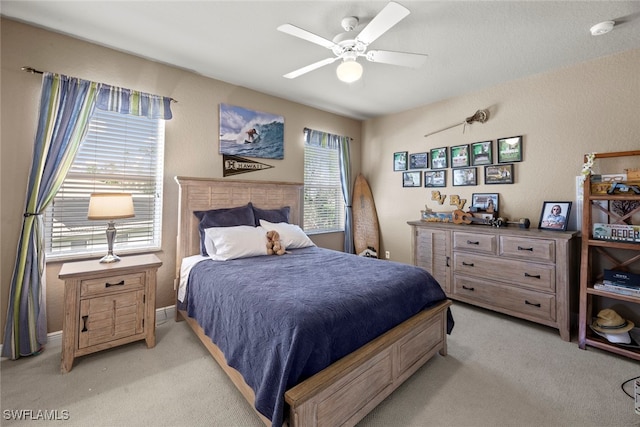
{"points": [[197, 194]]}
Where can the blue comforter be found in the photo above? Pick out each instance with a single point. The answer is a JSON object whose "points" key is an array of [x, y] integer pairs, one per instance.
{"points": [[280, 319]]}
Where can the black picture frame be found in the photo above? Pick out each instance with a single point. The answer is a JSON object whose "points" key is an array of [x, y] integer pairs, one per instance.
{"points": [[464, 176], [510, 149], [412, 179], [482, 153], [439, 158], [418, 160], [435, 178], [498, 174], [481, 202], [400, 160], [459, 156], [551, 219]]}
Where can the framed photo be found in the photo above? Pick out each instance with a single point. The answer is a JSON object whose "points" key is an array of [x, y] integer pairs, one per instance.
{"points": [[251, 133], [400, 161], [498, 174], [435, 179], [510, 149], [464, 176], [483, 202], [460, 156], [412, 179], [439, 158], [482, 153], [555, 216], [418, 160]]}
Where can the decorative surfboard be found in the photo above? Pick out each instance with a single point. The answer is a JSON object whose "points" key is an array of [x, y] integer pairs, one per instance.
{"points": [[366, 235]]}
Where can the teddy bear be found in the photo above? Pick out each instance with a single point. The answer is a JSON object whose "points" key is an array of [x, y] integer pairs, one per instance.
{"points": [[274, 244]]}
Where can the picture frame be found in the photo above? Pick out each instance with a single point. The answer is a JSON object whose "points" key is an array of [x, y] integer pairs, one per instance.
{"points": [[481, 202], [510, 149], [418, 160], [464, 176], [400, 160], [482, 153], [439, 158], [555, 216], [251, 133], [412, 179], [460, 156], [498, 174], [435, 178]]}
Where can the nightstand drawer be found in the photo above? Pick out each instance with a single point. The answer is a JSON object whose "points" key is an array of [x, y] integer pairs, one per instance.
{"points": [[111, 284], [485, 243], [529, 249]]}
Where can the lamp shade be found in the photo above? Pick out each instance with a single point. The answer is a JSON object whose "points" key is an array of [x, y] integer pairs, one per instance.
{"points": [[110, 206], [349, 70]]}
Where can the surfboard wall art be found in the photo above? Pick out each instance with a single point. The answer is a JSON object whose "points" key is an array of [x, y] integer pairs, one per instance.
{"points": [[251, 133]]}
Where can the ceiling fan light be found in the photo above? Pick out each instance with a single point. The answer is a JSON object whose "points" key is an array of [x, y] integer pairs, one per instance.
{"points": [[349, 71]]}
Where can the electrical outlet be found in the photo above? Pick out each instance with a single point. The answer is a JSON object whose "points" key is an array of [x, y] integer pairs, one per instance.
{"points": [[387, 254]]}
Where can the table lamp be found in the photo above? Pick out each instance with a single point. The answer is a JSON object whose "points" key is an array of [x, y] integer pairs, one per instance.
{"points": [[110, 206]]}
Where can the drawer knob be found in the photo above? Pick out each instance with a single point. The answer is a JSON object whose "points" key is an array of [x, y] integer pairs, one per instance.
{"points": [[469, 242], [533, 304], [467, 264], [533, 276], [108, 285], [520, 248], [467, 288]]}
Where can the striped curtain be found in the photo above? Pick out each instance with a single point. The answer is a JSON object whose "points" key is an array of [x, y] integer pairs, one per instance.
{"points": [[66, 105]]}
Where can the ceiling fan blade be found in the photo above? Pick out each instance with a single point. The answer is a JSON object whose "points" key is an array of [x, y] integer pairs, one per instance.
{"points": [[382, 22], [306, 35], [413, 60], [314, 66]]}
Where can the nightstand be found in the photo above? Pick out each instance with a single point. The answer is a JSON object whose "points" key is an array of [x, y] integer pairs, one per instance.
{"points": [[107, 305]]}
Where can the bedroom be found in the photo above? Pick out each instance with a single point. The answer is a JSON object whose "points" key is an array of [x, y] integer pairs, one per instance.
{"points": [[563, 113]]}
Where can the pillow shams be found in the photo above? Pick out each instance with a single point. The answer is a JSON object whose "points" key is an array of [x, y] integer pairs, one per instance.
{"points": [[271, 215], [227, 217], [291, 235], [225, 243]]}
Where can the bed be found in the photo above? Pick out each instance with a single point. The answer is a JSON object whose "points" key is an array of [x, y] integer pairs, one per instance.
{"points": [[333, 387]]}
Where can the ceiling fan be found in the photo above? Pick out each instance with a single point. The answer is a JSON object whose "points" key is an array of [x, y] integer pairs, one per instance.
{"points": [[348, 47]]}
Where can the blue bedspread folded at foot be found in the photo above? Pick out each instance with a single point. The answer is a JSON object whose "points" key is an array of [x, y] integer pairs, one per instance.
{"points": [[280, 319]]}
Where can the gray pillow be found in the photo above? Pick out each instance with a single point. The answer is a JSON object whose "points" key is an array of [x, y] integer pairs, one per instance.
{"points": [[227, 217], [271, 215]]}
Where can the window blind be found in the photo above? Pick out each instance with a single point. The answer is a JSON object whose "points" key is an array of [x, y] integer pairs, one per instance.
{"points": [[121, 153], [323, 200]]}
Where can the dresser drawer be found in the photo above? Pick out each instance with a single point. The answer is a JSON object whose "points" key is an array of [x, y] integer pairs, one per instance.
{"points": [[485, 243], [516, 300], [530, 249], [535, 276], [110, 284]]}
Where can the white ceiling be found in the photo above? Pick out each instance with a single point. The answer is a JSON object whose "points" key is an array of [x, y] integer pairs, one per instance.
{"points": [[470, 44]]}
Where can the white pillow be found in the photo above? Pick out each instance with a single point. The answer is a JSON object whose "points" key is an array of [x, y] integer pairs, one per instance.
{"points": [[291, 235], [225, 243]]}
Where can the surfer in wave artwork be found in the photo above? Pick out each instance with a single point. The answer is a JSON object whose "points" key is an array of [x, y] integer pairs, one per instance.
{"points": [[251, 133]]}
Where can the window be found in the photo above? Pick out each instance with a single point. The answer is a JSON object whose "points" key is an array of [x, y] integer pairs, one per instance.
{"points": [[323, 200], [121, 153]]}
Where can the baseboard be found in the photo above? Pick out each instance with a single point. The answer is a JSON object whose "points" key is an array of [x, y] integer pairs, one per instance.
{"points": [[162, 315]]}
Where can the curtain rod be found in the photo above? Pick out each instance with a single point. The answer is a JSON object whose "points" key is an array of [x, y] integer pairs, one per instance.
{"points": [[34, 71]]}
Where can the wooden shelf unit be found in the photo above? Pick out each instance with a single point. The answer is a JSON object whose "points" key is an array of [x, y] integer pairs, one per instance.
{"points": [[593, 247]]}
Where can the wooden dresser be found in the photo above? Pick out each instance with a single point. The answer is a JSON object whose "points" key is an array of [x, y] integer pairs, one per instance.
{"points": [[106, 305], [526, 273]]}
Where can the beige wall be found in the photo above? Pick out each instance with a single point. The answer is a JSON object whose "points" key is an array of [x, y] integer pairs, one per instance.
{"points": [[562, 115], [191, 136]]}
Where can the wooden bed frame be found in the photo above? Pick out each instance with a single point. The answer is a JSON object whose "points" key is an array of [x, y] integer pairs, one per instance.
{"points": [[346, 391]]}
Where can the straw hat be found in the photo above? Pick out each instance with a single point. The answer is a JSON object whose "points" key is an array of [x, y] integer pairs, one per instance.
{"points": [[610, 322]]}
